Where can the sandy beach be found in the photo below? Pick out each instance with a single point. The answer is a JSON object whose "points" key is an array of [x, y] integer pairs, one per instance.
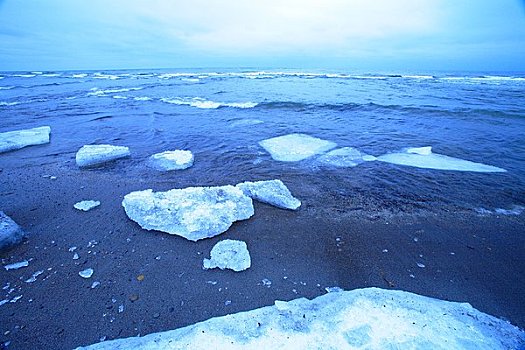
{"points": [[151, 281]]}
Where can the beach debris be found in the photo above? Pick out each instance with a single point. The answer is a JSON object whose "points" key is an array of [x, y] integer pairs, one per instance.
{"points": [[140, 278], [273, 192], [193, 213], [16, 266], [423, 157], [93, 155], [13, 140], [228, 254], [10, 233], [35, 275], [86, 205], [171, 160], [295, 147], [380, 319], [345, 157], [87, 273]]}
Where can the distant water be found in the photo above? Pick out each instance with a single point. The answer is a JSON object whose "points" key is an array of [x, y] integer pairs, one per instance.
{"points": [[222, 115]]}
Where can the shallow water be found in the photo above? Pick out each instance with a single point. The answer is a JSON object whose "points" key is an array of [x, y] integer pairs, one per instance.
{"points": [[221, 116]]}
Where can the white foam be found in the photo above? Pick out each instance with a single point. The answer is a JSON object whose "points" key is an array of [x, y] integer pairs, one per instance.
{"points": [[423, 157], [13, 140], [295, 147], [3, 103], [81, 75], [228, 254], [92, 155], [202, 103], [98, 92], [369, 318], [105, 76], [142, 98], [24, 75]]}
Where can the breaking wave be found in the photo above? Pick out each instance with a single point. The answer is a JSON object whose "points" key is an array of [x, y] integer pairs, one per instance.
{"points": [[202, 103]]}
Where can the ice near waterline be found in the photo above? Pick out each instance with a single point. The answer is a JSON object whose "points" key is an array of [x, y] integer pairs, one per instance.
{"points": [[193, 213], [295, 147], [93, 155], [228, 254], [369, 318], [86, 205], [13, 140], [273, 192], [10, 233], [171, 160], [423, 157], [345, 157]]}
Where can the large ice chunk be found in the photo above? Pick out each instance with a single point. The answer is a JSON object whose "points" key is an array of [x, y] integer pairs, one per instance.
{"points": [[345, 157], [423, 157], [295, 147], [13, 140], [273, 192], [228, 254], [171, 160], [92, 155], [369, 318], [193, 213], [10, 232]]}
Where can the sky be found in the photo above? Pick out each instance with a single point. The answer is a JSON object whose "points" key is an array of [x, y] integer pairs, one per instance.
{"points": [[379, 35]]}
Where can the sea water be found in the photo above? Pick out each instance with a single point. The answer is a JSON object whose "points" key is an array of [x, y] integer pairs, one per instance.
{"points": [[222, 115]]}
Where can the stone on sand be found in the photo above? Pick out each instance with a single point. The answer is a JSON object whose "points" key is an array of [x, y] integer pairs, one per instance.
{"points": [[10, 233]]}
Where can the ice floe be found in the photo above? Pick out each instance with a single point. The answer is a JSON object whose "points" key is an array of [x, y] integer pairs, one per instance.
{"points": [[228, 254], [295, 147], [86, 205], [193, 213], [10, 233], [92, 155], [345, 157], [171, 160], [370, 318], [423, 157], [273, 192], [13, 140]]}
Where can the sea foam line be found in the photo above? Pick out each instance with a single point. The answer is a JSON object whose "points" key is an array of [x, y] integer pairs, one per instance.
{"points": [[199, 102]]}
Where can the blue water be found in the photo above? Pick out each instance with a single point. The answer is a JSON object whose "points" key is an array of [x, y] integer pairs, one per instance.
{"points": [[221, 115]]}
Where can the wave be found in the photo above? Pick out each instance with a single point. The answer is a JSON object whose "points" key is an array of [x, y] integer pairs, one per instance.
{"points": [[199, 102], [98, 92], [105, 76], [9, 103], [6, 87]]}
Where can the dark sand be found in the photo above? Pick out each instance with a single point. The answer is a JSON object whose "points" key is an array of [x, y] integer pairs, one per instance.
{"points": [[467, 258]]}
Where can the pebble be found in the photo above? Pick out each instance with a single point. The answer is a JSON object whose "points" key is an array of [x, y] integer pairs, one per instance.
{"points": [[156, 315], [134, 297]]}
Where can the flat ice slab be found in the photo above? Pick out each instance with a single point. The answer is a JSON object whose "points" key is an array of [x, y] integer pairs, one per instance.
{"points": [[193, 213], [92, 155], [423, 157], [228, 254], [345, 157], [295, 147], [13, 140], [273, 192], [10, 233], [171, 160], [86, 205], [370, 318]]}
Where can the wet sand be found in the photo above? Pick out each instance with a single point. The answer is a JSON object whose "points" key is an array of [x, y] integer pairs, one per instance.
{"points": [[466, 257]]}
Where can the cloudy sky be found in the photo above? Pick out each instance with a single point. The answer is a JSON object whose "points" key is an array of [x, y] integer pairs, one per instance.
{"points": [[409, 35]]}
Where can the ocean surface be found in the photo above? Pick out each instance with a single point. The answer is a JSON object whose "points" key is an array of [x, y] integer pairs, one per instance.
{"points": [[222, 115]]}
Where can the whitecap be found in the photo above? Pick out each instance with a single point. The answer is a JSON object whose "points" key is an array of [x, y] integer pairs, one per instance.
{"points": [[119, 97], [199, 102], [105, 76], [97, 92], [81, 75], [142, 98], [24, 75], [6, 87], [9, 103]]}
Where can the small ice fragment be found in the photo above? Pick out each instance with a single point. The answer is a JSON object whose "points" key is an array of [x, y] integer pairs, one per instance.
{"points": [[120, 309], [266, 282], [10, 233], [15, 299], [86, 205], [295, 147], [92, 155], [17, 265], [95, 284], [72, 249], [212, 282], [420, 265], [345, 157], [227, 302], [171, 160], [5, 301], [87, 273], [412, 276], [385, 250], [333, 289], [273, 192], [229, 254], [35, 275], [75, 256], [13, 140]]}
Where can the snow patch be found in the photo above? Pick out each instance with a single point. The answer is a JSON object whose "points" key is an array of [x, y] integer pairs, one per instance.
{"points": [[228, 254]]}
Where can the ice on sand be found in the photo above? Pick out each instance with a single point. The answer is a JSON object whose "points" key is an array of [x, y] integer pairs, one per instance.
{"points": [[345, 157], [86, 205], [295, 147], [171, 160], [228, 254], [193, 213], [13, 140], [369, 318], [273, 192], [423, 157], [87, 273], [10, 232], [16, 266], [92, 155]]}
